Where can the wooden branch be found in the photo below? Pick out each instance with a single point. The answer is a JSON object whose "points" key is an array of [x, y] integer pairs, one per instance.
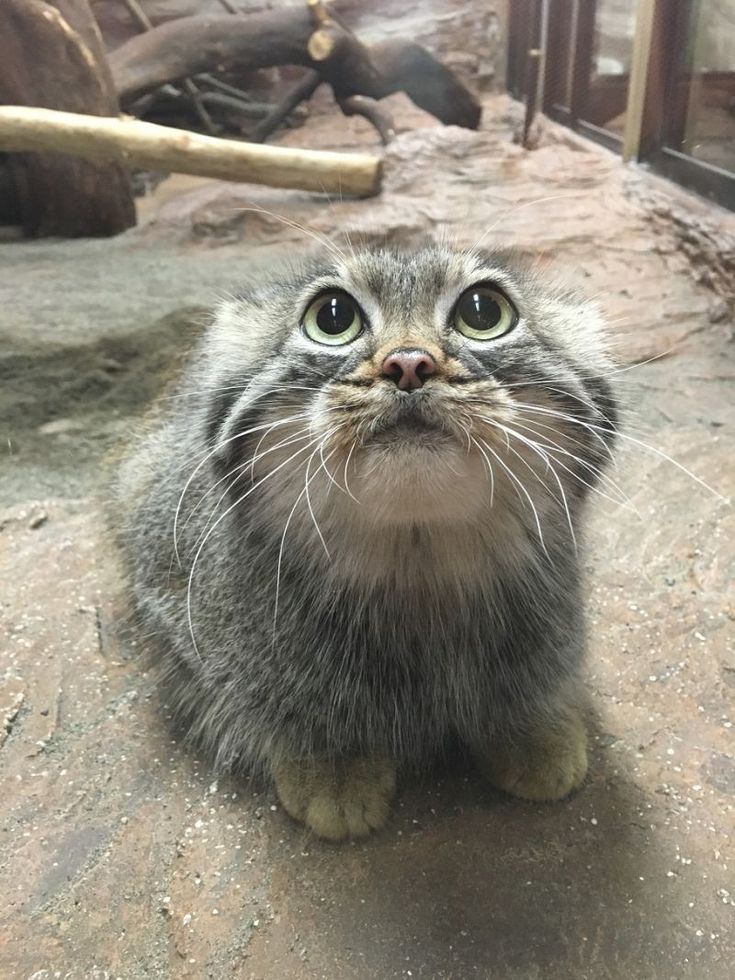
{"points": [[225, 87], [301, 91], [404, 66], [193, 45], [322, 44], [190, 87], [139, 15], [319, 13], [140, 144], [360, 105], [167, 105], [247, 110]]}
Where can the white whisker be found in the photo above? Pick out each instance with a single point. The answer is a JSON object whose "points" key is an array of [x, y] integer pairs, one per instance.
{"points": [[593, 429], [549, 467], [596, 472], [521, 486], [236, 472], [304, 492], [347, 463], [637, 442], [307, 481], [509, 212], [208, 456], [214, 526], [292, 223], [489, 469]]}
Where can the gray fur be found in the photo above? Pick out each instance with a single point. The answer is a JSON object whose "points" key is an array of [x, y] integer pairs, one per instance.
{"points": [[436, 614]]}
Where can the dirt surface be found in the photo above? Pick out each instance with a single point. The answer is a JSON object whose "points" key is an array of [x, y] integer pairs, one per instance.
{"points": [[123, 856]]}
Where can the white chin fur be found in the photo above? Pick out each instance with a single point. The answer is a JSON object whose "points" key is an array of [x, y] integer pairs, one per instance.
{"points": [[407, 484]]}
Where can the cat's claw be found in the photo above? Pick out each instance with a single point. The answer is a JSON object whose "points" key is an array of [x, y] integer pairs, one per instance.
{"points": [[337, 800]]}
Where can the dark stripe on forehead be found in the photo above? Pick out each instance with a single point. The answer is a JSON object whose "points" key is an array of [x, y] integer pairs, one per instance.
{"points": [[402, 278]]}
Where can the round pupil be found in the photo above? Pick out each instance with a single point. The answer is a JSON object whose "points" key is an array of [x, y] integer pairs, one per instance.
{"points": [[336, 315], [480, 311]]}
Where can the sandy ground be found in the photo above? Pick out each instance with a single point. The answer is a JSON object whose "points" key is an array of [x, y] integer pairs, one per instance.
{"points": [[122, 856]]}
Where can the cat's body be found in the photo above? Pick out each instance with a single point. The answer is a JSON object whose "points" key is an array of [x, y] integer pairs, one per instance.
{"points": [[369, 558]]}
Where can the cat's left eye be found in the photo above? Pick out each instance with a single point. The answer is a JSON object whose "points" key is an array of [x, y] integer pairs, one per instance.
{"points": [[333, 318], [484, 313]]}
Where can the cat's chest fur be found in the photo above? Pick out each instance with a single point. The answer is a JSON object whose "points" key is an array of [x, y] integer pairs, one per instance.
{"points": [[454, 590], [417, 648]]}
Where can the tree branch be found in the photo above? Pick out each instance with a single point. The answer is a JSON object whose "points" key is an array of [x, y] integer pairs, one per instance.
{"points": [[135, 143]]}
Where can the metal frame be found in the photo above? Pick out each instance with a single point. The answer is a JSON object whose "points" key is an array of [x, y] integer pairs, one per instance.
{"points": [[646, 25], [578, 71], [669, 35], [708, 180], [661, 30], [523, 36]]}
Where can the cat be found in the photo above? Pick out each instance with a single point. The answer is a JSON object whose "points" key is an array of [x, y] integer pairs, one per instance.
{"points": [[353, 534]]}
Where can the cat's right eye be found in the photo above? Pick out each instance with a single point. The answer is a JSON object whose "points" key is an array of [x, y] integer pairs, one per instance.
{"points": [[484, 312], [334, 318]]}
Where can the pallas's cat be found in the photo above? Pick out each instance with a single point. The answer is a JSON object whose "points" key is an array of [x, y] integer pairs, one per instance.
{"points": [[353, 534]]}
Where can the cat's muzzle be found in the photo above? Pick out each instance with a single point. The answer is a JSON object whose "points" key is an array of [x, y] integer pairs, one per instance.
{"points": [[407, 413]]}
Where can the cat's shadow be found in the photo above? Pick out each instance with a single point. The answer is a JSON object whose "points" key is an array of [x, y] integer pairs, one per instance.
{"points": [[466, 881], [469, 882]]}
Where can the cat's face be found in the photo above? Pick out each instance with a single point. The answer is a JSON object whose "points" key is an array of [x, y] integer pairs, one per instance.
{"points": [[428, 386]]}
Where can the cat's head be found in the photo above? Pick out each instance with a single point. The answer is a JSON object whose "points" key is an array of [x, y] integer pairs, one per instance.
{"points": [[429, 386]]}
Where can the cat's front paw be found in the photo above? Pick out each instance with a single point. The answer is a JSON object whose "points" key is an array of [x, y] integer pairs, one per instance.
{"points": [[547, 765], [337, 800]]}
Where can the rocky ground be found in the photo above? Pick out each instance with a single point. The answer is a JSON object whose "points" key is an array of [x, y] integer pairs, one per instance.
{"points": [[123, 856]]}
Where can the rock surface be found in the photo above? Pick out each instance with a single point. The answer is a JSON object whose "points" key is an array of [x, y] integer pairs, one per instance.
{"points": [[123, 856]]}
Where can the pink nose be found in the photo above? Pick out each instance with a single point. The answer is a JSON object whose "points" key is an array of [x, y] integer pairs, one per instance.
{"points": [[409, 368]]}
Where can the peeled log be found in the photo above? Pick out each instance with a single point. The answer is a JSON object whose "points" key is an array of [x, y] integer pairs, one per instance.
{"points": [[133, 143]]}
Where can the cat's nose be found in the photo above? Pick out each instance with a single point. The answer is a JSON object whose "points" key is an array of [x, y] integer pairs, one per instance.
{"points": [[409, 367]]}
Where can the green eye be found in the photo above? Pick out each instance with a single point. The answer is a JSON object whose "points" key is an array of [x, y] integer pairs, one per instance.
{"points": [[333, 318], [484, 313]]}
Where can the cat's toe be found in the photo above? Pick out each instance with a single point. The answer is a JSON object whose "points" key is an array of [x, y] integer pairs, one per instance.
{"points": [[338, 817], [347, 801], [544, 768], [366, 796], [544, 779]]}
